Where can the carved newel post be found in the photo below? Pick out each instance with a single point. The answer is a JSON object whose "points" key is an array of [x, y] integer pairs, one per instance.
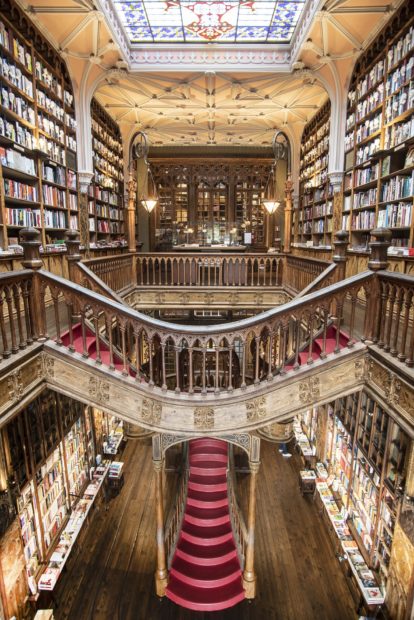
{"points": [[379, 248], [340, 247], [288, 213], [132, 198], [72, 243], [161, 574], [249, 576], [30, 240]]}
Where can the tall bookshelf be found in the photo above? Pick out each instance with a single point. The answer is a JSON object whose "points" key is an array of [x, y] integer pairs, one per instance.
{"points": [[312, 222], [39, 185], [106, 193], [368, 456], [379, 143]]}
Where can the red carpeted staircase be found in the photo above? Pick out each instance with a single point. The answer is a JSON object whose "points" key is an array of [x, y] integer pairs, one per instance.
{"points": [[205, 573], [91, 347], [317, 346]]}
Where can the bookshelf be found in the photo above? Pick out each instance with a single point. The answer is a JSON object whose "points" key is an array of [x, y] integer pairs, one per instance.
{"points": [[105, 204], [38, 147], [368, 459], [51, 493], [312, 222], [379, 142]]}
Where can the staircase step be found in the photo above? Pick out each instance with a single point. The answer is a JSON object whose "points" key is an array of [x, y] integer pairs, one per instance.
{"points": [[205, 599], [207, 516], [206, 555], [208, 468], [213, 535], [205, 576], [203, 455], [209, 499], [207, 483], [330, 345], [304, 355], [217, 444]]}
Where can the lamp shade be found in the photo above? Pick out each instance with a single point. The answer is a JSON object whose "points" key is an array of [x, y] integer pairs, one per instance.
{"points": [[149, 203], [271, 205]]}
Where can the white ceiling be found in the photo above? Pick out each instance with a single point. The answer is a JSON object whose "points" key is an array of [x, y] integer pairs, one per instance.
{"points": [[212, 107]]}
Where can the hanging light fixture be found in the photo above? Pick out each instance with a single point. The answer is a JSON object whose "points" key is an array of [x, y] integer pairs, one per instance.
{"points": [[150, 201], [269, 201]]}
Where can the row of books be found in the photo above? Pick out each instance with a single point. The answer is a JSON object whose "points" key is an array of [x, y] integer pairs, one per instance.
{"points": [[398, 133], [17, 104], [12, 44], [22, 191], [17, 161], [397, 187], [54, 197], [365, 199], [369, 127], [16, 132], [15, 76], [395, 216]]}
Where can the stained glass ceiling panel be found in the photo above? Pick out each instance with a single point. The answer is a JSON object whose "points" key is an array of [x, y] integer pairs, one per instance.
{"points": [[208, 21]]}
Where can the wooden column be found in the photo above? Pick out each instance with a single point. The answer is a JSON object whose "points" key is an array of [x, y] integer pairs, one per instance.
{"points": [[249, 576], [288, 213], [132, 199], [161, 574], [340, 247], [30, 240]]}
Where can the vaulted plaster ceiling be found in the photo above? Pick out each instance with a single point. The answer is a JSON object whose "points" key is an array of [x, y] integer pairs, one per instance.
{"points": [[212, 94]]}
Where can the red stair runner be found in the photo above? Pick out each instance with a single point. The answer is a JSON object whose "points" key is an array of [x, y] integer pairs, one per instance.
{"points": [[91, 347], [205, 573]]}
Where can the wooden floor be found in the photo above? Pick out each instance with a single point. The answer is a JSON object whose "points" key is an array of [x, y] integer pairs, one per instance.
{"points": [[298, 575]]}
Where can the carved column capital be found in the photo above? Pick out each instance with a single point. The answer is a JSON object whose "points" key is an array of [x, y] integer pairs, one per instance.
{"points": [[85, 177], [72, 243], [340, 244], [336, 180]]}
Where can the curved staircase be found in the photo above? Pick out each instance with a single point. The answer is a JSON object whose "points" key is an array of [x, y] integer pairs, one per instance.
{"points": [[205, 572]]}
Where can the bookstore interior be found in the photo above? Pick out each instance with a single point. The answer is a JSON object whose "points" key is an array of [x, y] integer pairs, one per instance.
{"points": [[194, 162]]}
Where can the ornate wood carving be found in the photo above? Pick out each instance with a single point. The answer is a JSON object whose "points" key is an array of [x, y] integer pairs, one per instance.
{"points": [[151, 411], [204, 418], [99, 390], [256, 409], [309, 390]]}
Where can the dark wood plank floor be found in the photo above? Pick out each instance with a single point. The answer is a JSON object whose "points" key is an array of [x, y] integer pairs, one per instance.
{"points": [[298, 575]]}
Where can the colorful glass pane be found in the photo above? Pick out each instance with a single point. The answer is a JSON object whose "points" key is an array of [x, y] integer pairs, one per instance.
{"points": [[209, 21]]}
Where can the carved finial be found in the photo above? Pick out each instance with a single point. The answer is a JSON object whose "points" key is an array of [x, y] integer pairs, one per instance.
{"points": [[379, 248], [31, 242]]}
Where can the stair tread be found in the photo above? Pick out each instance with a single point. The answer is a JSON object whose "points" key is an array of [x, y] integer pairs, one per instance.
{"points": [[204, 551], [206, 532], [206, 572], [209, 599], [208, 479], [207, 513]]}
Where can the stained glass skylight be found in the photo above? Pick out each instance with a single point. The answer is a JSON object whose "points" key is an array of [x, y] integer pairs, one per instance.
{"points": [[209, 21]]}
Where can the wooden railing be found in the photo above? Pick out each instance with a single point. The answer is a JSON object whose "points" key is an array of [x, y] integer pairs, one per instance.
{"points": [[184, 269], [300, 272], [375, 306], [206, 359], [175, 518], [236, 517], [117, 272]]}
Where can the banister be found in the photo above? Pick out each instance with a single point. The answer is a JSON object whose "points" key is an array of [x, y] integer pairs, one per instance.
{"points": [[209, 330], [316, 284]]}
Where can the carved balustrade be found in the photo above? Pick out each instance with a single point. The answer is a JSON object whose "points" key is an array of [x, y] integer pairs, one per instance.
{"points": [[200, 359], [116, 272], [301, 271], [175, 518], [19, 325], [208, 269]]}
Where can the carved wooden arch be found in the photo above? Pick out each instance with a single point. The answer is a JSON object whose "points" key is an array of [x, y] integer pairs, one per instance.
{"points": [[246, 441]]}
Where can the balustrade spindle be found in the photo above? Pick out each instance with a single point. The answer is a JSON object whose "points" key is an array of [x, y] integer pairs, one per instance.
{"points": [[400, 299], [256, 373], [325, 329], [122, 329], [283, 337], [97, 339], [339, 308], [230, 384], [83, 330], [55, 298], [243, 352], [6, 352], [407, 305], [27, 315], [216, 378], [16, 299], [137, 354], [387, 344], [151, 369], [177, 370], [190, 371], [203, 379], [69, 313], [9, 301], [382, 318], [297, 345], [350, 343], [410, 358], [270, 356], [310, 326], [164, 378]]}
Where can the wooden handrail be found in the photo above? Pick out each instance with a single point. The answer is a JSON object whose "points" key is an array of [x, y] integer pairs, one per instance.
{"points": [[324, 279], [116, 272]]}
